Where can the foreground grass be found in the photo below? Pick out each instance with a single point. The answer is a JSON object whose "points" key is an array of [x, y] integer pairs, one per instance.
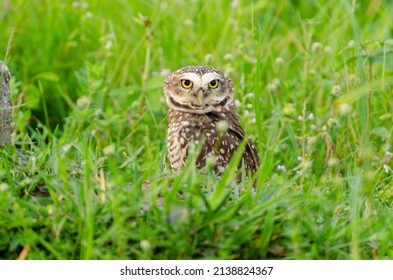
{"points": [[87, 177]]}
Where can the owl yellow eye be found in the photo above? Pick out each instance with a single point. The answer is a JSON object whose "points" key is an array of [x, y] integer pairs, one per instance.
{"points": [[186, 83], [213, 84]]}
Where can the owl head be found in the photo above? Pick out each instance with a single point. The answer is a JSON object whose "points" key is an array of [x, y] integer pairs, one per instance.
{"points": [[198, 89]]}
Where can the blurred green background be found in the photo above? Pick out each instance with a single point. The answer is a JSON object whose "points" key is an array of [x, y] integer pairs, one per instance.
{"points": [[88, 177], [55, 43]]}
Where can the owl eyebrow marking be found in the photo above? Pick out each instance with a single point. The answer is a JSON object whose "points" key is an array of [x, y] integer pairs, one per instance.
{"points": [[208, 77], [196, 79]]}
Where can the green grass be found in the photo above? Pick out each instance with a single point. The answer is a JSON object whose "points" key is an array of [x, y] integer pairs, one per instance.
{"points": [[90, 130]]}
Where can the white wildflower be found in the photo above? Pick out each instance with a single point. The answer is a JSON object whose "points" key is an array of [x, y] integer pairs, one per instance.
{"points": [[163, 5], [188, 22], [253, 60], [344, 109], [316, 46], [228, 57], [271, 87], [229, 70], [83, 101], [351, 44], [109, 150], [208, 57], [332, 162], [145, 245], [165, 72], [276, 81], [66, 148], [336, 90], [353, 79], [109, 45], [328, 49], [234, 4], [288, 110], [281, 168], [222, 127], [279, 61], [332, 122], [4, 187], [311, 140]]}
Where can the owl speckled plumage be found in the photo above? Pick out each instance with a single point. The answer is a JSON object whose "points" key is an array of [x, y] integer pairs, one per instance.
{"points": [[200, 100]]}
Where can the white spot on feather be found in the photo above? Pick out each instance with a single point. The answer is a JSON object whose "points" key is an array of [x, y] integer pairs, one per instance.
{"points": [[221, 168]]}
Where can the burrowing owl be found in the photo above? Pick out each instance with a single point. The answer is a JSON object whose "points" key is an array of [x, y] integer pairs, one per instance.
{"points": [[200, 100]]}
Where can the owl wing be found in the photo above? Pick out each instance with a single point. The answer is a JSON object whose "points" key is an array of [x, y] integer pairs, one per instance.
{"points": [[235, 135]]}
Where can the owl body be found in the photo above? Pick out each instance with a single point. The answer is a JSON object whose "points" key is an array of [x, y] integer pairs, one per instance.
{"points": [[200, 100]]}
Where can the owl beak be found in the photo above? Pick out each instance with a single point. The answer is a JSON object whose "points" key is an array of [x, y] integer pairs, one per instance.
{"points": [[201, 96]]}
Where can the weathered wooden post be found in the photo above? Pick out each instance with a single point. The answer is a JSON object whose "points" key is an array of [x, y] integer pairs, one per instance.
{"points": [[5, 106]]}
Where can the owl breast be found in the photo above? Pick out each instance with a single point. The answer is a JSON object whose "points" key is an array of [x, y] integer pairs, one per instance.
{"points": [[220, 132], [181, 130]]}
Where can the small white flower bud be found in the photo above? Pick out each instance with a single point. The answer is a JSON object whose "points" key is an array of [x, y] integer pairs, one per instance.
{"points": [[208, 57], [228, 57], [145, 245], [109, 150], [237, 103], [336, 90], [279, 61], [109, 45], [222, 127], [328, 49], [344, 109], [271, 87], [316, 47], [165, 72], [4, 187], [281, 168]]}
